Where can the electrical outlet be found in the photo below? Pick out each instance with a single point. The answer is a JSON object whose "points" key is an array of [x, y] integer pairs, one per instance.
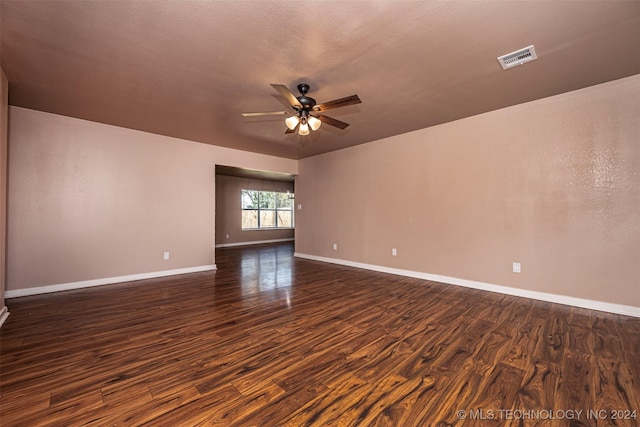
{"points": [[516, 267], [335, 246], [394, 252], [165, 255], [299, 206], [227, 236]]}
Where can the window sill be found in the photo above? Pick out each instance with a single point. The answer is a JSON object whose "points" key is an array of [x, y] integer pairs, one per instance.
{"points": [[268, 229]]}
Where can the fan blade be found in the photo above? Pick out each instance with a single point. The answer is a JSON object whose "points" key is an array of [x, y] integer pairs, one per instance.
{"points": [[270, 113], [342, 102], [289, 131], [333, 122], [286, 94]]}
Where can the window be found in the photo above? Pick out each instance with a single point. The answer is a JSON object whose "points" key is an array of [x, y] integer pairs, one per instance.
{"points": [[266, 209]]}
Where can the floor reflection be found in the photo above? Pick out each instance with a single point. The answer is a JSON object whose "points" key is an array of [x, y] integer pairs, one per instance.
{"points": [[267, 269]]}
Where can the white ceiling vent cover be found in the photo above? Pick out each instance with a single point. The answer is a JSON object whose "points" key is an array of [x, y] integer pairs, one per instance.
{"points": [[518, 57]]}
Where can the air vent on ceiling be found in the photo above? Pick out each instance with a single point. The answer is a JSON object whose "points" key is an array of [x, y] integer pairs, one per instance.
{"points": [[518, 57]]}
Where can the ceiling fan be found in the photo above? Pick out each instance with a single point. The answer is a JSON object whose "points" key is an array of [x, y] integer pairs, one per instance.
{"points": [[306, 115]]}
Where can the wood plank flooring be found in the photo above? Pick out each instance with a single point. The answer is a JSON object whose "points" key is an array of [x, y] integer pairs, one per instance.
{"points": [[271, 340]]}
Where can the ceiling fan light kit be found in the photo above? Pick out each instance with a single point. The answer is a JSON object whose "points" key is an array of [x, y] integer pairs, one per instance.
{"points": [[314, 123], [306, 112], [303, 129], [292, 122]]}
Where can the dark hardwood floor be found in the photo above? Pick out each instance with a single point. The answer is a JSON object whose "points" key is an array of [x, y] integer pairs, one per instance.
{"points": [[272, 340]]}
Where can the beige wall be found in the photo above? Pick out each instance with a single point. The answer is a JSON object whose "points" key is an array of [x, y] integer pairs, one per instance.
{"points": [[91, 201], [4, 108], [229, 212], [553, 184]]}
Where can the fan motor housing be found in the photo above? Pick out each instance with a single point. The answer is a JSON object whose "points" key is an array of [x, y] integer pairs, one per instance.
{"points": [[307, 102]]}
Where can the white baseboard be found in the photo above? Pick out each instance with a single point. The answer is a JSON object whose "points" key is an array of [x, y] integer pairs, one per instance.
{"points": [[258, 242], [4, 313], [626, 310], [106, 281]]}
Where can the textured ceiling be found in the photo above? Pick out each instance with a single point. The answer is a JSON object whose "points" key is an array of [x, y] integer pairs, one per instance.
{"points": [[188, 69]]}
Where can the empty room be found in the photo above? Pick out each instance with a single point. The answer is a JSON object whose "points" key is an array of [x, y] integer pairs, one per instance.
{"points": [[349, 213]]}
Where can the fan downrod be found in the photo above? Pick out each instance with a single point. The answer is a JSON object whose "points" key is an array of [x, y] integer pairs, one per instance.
{"points": [[303, 88]]}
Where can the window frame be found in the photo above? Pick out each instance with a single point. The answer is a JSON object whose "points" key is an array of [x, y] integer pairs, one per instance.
{"points": [[259, 209]]}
